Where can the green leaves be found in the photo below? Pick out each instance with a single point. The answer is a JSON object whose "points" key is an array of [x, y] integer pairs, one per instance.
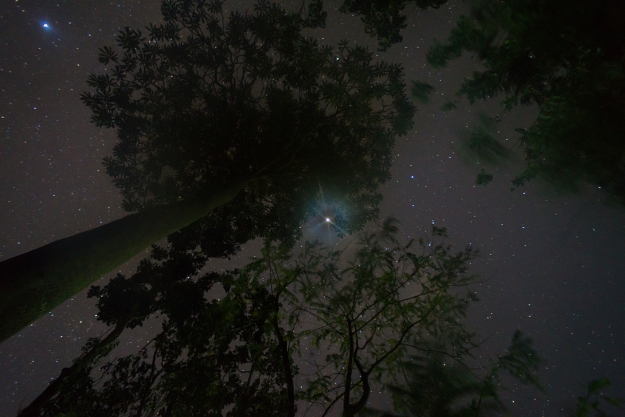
{"points": [[521, 360], [316, 15], [385, 19], [367, 313], [484, 144], [596, 385], [449, 106], [352, 316], [201, 350]]}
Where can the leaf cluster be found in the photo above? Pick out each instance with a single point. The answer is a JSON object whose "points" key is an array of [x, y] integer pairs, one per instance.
{"points": [[442, 385], [385, 19], [354, 313], [213, 357], [351, 315]]}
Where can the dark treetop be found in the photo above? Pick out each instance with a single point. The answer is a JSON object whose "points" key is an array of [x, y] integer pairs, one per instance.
{"points": [[202, 100], [385, 19], [239, 122]]}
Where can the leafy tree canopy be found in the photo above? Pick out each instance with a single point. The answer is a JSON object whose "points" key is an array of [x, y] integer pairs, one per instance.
{"points": [[385, 18], [202, 99], [229, 128], [233, 343], [594, 402], [438, 385], [566, 57]]}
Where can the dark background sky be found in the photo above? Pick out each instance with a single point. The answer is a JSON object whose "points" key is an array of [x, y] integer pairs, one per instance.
{"points": [[552, 264]]}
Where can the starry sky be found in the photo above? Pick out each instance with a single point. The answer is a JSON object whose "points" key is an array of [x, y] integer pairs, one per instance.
{"points": [[552, 264]]}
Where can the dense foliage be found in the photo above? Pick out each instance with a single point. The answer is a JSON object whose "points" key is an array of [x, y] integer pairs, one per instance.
{"points": [[385, 19], [203, 99], [229, 127], [230, 341], [566, 57]]}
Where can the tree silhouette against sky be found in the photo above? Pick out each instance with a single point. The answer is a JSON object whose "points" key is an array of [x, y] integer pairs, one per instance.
{"points": [[568, 59], [565, 57], [235, 125], [293, 332]]}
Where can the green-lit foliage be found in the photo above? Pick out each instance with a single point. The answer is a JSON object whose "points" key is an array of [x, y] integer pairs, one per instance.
{"points": [[211, 356], [485, 146], [483, 177], [479, 147], [368, 309], [351, 317], [449, 106], [569, 59], [442, 385]]}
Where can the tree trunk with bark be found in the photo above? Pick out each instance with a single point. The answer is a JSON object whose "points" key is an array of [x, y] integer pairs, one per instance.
{"points": [[34, 283]]}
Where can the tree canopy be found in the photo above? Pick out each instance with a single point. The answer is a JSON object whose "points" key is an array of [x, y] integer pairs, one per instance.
{"points": [[289, 333], [201, 100], [231, 125], [385, 19], [568, 58]]}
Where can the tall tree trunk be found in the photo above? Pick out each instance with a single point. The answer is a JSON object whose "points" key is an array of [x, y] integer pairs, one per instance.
{"points": [[34, 283]]}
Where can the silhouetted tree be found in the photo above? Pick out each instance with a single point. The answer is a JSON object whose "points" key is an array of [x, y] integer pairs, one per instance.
{"points": [[350, 316], [233, 125], [385, 19], [161, 284], [369, 308]]}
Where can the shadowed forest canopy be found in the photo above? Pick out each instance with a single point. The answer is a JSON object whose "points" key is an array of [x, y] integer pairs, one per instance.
{"points": [[310, 332], [235, 126], [385, 19], [566, 57], [201, 100]]}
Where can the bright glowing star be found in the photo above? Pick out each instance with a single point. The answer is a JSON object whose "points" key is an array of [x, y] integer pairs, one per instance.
{"points": [[45, 25], [327, 220]]}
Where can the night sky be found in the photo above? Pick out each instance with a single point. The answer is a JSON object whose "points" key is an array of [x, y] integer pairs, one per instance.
{"points": [[552, 264]]}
